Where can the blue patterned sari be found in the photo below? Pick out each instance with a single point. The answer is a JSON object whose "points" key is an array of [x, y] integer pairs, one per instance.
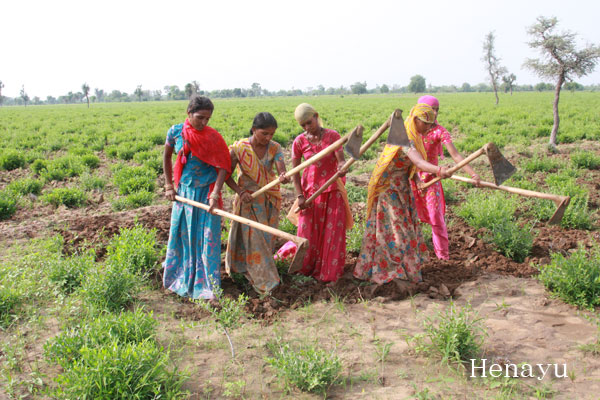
{"points": [[193, 261]]}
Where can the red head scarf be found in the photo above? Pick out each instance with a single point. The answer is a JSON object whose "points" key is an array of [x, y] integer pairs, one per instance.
{"points": [[208, 145]]}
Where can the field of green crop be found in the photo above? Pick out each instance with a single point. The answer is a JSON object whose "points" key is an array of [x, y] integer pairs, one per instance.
{"points": [[81, 309]]}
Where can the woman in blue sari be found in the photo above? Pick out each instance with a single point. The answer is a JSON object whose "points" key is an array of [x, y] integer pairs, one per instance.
{"points": [[193, 260]]}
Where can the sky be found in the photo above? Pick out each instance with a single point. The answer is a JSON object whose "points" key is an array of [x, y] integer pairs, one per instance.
{"points": [[53, 47]]}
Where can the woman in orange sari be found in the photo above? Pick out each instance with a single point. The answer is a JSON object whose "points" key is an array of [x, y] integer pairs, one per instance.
{"points": [[250, 251], [393, 246]]}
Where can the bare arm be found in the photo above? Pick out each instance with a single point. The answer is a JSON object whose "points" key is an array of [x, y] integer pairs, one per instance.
{"points": [[339, 155], [214, 196], [457, 157], [423, 165], [280, 165], [298, 184], [168, 169]]}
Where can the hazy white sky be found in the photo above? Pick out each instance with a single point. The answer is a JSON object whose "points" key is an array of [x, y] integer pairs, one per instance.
{"points": [[53, 47]]}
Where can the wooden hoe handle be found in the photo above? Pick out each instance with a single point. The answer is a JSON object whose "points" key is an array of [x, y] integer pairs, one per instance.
{"points": [[329, 149], [242, 220], [456, 167]]}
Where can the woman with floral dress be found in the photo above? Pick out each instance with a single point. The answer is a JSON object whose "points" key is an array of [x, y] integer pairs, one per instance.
{"points": [[393, 246]]}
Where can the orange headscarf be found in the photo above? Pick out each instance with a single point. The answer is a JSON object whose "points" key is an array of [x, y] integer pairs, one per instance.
{"points": [[379, 181]]}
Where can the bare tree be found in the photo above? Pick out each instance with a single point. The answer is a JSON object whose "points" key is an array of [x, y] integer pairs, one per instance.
{"points": [[492, 63], [1, 87], [85, 90], [560, 59], [24, 95], [509, 81]]}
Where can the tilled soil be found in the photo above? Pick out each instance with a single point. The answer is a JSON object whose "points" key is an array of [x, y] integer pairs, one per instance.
{"points": [[470, 257]]}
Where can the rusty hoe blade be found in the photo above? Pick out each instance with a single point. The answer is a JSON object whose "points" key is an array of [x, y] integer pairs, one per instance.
{"points": [[501, 167], [296, 264], [560, 211], [353, 145], [397, 135]]}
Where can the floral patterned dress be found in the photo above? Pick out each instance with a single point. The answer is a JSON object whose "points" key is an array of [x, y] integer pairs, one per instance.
{"points": [[324, 223], [431, 204], [193, 260], [393, 246], [250, 251]]}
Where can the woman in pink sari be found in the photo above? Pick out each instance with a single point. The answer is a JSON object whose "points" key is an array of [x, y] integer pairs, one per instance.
{"points": [[323, 222], [430, 202]]}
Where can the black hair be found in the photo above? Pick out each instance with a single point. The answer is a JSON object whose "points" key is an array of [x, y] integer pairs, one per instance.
{"points": [[263, 120], [198, 103]]}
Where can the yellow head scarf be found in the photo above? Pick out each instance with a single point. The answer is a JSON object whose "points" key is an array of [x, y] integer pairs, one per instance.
{"points": [[304, 112], [378, 182]]}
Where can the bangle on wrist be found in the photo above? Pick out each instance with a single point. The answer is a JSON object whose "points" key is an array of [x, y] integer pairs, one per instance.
{"points": [[439, 171], [213, 196]]}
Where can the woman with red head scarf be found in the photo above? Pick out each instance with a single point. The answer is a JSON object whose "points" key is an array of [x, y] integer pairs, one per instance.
{"points": [[193, 260], [393, 246], [431, 204]]}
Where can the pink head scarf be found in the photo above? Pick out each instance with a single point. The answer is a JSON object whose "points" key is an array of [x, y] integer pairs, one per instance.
{"points": [[430, 100]]}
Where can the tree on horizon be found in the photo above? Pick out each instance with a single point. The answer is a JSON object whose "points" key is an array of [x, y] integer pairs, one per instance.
{"points": [[85, 90], [417, 84], [492, 62], [560, 60]]}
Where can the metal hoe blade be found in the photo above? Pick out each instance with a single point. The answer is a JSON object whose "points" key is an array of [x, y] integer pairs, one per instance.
{"points": [[560, 211], [296, 264], [353, 145], [397, 135], [501, 167]]}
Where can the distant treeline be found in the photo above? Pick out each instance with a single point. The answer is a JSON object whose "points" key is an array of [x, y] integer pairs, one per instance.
{"points": [[175, 93]]}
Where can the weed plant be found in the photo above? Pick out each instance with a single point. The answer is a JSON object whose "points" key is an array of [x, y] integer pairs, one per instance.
{"points": [[286, 226], [577, 214], [512, 241], [11, 159], [68, 273], [90, 160], [227, 312], [356, 194], [70, 197], [134, 249], [455, 335], [451, 192], [8, 204], [585, 159], [134, 179], [122, 371], [574, 279], [10, 298], [25, 186], [91, 182], [126, 327], [39, 165], [63, 167], [309, 368], [542, 163], [496, 213], [427, 232], [142, 198], [110, 289], [355, 236]]}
